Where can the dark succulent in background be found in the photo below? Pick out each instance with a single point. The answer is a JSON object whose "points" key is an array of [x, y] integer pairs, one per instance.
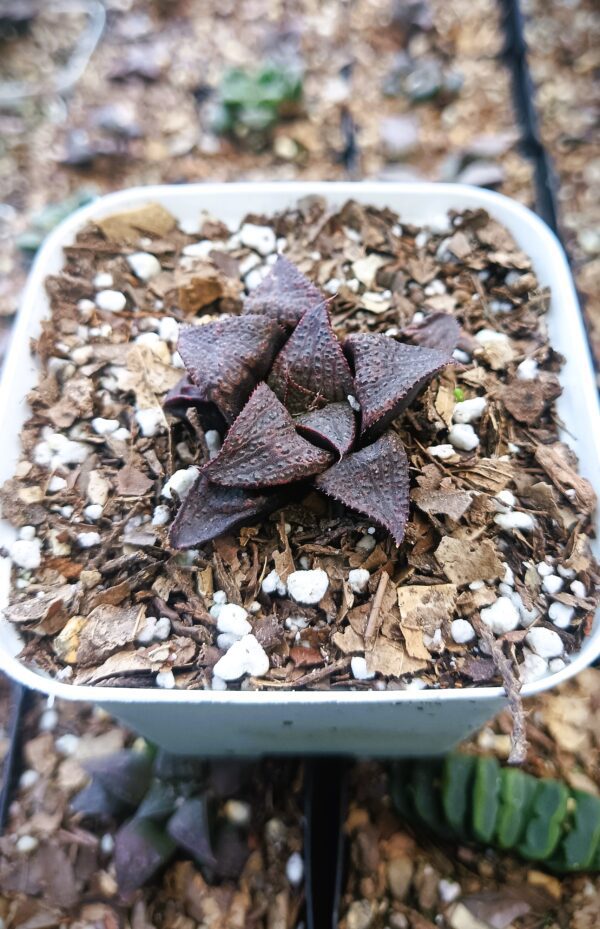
{"points": [[300, 408], [165, 804]]}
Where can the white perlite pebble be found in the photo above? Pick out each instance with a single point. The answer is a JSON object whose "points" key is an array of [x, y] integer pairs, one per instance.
{"points": [[201, 249], [502, 616], [57, 450], [111, 301], [26, 553], [219, 596], [67, 744], [238, 812], [27, 844], [27, 533], [468, 411], [461, 631], [533, 668], [150, 421], [88, 539], [168, 329], [261, 239], [545, 643], [556, 664], [523, 522], [144, 265], [226, 639], [28, 779], [218, 683], [103, 280], [161, 515], [355, 405], [578, 588], [162, 630], [213, 442], [246, 656], [294, 869], [107, 844], [366, 543], [509, 577], [232, 619], [449, 891], [180, 482], [463, 436], [55, 484], [443, 452], [506, 499], [92, 512], [48, 720], [567, 573], [272, 584], [543, 568], [165, 680], [358, 666], [527, 370], [461, 356], [561, 614], [103, 426], [308, 587], [552, 584], [358, 579], [491, 337]]}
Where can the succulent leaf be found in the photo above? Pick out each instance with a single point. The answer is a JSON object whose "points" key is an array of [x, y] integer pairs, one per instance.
{"points": [[438, 330], [210, 510], [333, 426], [126, 775], [228, 357], [141, 848], [284, 295], [159, 802], [311, 368], [388, 375], [95, 800], [189, 827], [373, 481], [263, 449]]}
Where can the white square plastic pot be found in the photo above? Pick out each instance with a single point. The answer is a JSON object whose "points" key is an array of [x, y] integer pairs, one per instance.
{"points": [[389, 723]]}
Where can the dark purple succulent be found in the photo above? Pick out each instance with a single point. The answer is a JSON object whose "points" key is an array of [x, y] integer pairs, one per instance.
{"points": [[299, 407]]}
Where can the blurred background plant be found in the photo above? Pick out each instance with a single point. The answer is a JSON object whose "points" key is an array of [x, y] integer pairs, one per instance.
{"points": [[251, 103]]}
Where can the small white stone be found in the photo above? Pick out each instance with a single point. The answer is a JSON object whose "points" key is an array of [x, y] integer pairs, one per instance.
{"points": [[27, 533], [246, 656], [295, 623], [443, 452], [92, 512], [468, 411], [556, 665], [476, 585], [366, 543], [168, 329], [219, 596], [463, 436], [254, 607], [162, 630], [48, 720], [449, 891], [103, 280], [161, 515], [67, 744], [461, 631], [238, 812], [26, 553], [88, 539], [578, 589], [28, 779], [226, 639], [509, 577], [294, 869], [111, 301], [308, 587], [358, 578], [181, 482], [354, 403], [218, 683], [358, 666], [121, 435], [506, 498], [515, 521], [552, 584], [491, 337], [105, 426], [533, 668], [150, 421], [145, 635], [107, 844], [165, 680], [201, 249], [56, 483], [561, 614], [213, 442], [272, 584], [463, 357], [27, 844], [261, 239], [527, 370], [144, 265], [232, 619], [332, 285], [545, 642], [86, 308], [567, 573], [502, 616], [543, 568]]}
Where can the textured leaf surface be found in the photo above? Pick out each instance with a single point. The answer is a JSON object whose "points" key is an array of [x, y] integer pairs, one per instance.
{"points": [[209, 511], [333, 426], [388, 375], [284, 295], [374, 481], [188, 826], [438, 330], [311, 368], [228, 357], [141, 848], [263, 449]]}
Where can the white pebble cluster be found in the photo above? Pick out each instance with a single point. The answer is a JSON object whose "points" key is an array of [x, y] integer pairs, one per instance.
{"points": [[181, 482], [272, 584], [244, 656], [308, 587], [502, 616]]}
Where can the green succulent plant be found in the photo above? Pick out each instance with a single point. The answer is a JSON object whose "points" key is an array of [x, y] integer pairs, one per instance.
{"points": [[165, 804], [252, 102]]}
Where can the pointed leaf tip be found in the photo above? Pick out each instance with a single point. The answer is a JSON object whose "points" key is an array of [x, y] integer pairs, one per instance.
{"points": [[141, 848], [284, 295], [226, 358], [311, 368], [388, 375], [333, 426], [437, 330], [375, 482], [263, 449], [209, 511]]}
